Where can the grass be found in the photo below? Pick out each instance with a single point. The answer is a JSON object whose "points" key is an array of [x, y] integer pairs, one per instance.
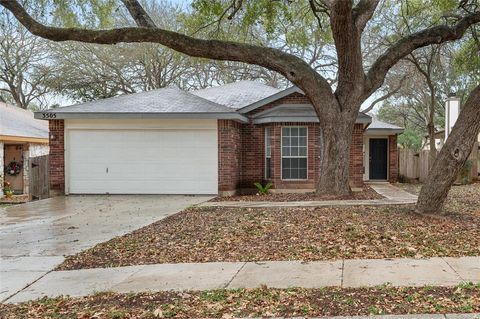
{"points": [[261, 302], [239, 234]]}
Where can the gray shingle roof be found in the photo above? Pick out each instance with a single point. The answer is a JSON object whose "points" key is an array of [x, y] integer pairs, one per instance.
{"points": [[379, 125], [166, 100], [237, 94], [15, 121]]}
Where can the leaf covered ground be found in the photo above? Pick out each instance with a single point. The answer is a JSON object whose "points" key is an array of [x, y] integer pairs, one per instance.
{"points": [[261, 302], [365, 194], [257, 234]]}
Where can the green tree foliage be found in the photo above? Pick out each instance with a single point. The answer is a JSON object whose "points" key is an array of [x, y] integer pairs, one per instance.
{"points": [[410, 139]]}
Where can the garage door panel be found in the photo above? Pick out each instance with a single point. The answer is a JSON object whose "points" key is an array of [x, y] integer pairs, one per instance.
{"points": [[143, 161]]}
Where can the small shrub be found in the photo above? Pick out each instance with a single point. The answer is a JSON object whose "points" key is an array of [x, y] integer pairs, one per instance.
{"points": [[263, 188]]}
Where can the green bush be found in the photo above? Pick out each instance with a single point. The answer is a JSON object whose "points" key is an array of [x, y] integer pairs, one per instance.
{"points": [[263, 189]]}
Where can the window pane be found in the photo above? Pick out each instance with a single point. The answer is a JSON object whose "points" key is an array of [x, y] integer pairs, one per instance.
{"points": [[285, 131], [294, 131], [302, 174], [302, 151], [302, 131], [294, 174], [294, 141], [285, 151], [268, 168], [302, 163], [302, 141], [293, 151], [285, 141]]}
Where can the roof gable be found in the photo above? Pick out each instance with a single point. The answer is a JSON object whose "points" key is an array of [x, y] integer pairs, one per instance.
{"points": [[237, 95], [269, 99]]}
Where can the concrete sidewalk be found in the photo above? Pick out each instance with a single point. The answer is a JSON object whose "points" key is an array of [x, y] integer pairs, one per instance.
{"points": [[417, 316], [278, 274], [393, 196]]}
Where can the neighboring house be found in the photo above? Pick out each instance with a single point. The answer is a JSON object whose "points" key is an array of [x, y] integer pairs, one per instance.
{"points": [[21, 137], [216, 140], [440, 141]]}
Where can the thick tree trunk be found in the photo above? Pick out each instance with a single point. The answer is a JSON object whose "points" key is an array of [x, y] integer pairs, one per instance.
{"points": [[335, 140], [452, 157]]}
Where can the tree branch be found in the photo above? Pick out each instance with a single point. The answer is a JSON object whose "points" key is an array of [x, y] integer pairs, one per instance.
{"points": [[405, 46], [386, 96], [292, 67], [141, 17], [363, 12]]}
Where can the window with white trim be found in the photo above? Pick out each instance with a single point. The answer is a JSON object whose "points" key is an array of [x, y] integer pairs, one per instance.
{"points": [[294, 152], [268, 153]]}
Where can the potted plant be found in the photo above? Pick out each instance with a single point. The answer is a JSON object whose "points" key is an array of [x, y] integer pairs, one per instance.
{"points": [[7, 190]]}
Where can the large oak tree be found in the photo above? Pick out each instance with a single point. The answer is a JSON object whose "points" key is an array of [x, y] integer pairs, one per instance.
{"points": [[336, 105]]}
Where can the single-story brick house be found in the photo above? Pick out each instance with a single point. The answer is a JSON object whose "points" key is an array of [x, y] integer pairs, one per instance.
{"points": [[215, 140]]}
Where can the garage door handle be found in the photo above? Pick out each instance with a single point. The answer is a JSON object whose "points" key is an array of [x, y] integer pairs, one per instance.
{"points": [[107, 170]]}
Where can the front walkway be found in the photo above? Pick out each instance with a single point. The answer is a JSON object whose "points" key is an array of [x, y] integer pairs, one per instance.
{"points": [[275, 274], [393, 196], [35, 237]]}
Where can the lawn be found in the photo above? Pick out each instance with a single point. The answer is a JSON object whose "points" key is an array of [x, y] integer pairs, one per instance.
{"points": [[238, 234], [262, 302]]}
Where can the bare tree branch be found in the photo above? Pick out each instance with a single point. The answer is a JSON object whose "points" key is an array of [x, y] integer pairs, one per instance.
{"points": [[139, 14], [292, 67], [433, 35], [386, 96]]}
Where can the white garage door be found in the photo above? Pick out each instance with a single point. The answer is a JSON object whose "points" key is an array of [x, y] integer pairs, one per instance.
{"points": [[167, 161]]}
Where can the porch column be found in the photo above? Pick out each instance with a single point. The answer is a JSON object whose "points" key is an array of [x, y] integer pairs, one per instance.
{"points": [[2, 165]]}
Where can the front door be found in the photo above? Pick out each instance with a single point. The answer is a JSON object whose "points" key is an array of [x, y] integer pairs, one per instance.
{"points": [[378, 158]]}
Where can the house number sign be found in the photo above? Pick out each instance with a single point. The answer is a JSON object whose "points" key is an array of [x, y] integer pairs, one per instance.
{"points": [[49, 115]]}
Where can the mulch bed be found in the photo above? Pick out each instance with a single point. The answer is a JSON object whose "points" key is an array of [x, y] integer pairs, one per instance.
{"points": [[262, 302], [206, 234], [365, 194]]}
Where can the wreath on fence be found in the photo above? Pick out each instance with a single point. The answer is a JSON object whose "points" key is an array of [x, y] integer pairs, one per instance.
{"points": [[13, 168]]}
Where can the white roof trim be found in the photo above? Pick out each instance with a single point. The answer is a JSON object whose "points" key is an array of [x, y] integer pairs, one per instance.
{"points": [[270, 99]]}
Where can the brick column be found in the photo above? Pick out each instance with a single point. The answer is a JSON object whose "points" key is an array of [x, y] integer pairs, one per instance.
{"points": [[392, 159], [229, 156], [57, 157], [356, 157], [2, 165]]}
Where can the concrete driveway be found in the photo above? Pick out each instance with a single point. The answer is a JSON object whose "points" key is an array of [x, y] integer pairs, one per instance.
{"points": [[35, 237]]}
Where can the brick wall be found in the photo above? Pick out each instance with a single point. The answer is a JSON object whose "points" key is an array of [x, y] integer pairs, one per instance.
{"points": [[250, 153], [392, 159], [57, 157], [229, 155], [253, 155], [356, 157]]}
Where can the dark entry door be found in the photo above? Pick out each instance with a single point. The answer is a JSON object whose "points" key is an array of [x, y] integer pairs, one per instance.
{"points": [[378, 158]]}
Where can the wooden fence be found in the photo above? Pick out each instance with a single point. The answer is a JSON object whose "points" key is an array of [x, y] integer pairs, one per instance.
{"points": [[414, 165], [39, 186]]}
